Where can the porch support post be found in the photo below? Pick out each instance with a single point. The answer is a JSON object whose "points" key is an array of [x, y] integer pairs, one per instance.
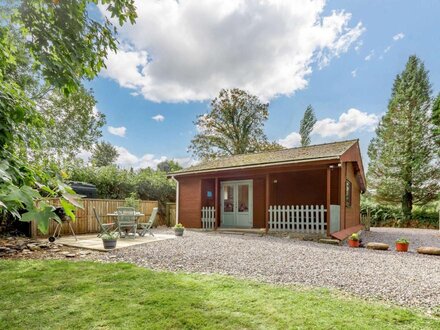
{"points": [[216, 203], [327, 199], [266, 204]]}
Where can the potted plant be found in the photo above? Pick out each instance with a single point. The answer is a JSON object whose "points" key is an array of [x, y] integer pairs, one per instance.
{"points": [[109, 240], [178, 229], [402, 245], [132, 201], [353, 240]]}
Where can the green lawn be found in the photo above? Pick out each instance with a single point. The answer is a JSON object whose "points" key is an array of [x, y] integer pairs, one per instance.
{"points": [[86, 295]]}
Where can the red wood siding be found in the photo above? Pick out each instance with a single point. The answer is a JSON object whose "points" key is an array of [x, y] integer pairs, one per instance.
{"points": [[259, 211], [208, 185], [190, 202], [352, 213], [296, 185]]}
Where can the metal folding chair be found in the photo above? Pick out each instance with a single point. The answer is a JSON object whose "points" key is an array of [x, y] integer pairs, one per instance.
{"points": [[127, 220], [146, 227], [104, 228]]}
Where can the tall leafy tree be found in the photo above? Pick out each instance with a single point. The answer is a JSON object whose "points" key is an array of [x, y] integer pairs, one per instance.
{"points": [[233, 126], [436, 122], [72, 123], [104, 154], [168, 166], [63, 45], [306, 126], [404, 167]]}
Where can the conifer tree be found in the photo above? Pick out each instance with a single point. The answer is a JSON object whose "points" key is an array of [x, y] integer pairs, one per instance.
{"points": [[306, 126], [404, 165]]}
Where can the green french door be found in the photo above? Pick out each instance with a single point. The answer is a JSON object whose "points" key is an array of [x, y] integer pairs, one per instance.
{"points": [[236, 204]]}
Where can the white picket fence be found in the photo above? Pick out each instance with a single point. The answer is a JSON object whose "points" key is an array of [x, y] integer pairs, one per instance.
{"points": [[208, 217], [299, 218]]}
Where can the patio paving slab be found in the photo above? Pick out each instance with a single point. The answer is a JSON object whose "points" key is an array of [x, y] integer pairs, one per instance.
{"points": [[92, 242]]}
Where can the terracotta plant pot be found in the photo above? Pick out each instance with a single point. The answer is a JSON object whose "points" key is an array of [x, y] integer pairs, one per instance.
{"points": [[353, 244], [402, 247]]}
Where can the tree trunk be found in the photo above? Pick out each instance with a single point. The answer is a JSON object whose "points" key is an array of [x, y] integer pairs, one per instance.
{"points": [[407, 203]]}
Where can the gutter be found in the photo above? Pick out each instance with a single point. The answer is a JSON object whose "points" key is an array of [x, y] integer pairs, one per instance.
{"points": [[177, 198], [243, 167]]}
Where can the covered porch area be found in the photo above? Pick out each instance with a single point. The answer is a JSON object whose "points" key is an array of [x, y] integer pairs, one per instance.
{"points": [[303, 199]]}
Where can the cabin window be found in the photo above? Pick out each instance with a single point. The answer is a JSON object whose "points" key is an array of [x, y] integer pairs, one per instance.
{"points": [[348, 193]]}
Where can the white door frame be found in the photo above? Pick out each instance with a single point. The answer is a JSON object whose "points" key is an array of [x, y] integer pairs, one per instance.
{"points": [[236, 218]]}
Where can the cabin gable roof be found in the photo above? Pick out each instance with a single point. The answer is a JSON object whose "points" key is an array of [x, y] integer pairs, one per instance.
{"points": [[318, 152]]}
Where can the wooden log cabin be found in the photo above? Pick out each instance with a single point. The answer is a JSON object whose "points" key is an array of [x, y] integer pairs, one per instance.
{"points": [[314, 189]]}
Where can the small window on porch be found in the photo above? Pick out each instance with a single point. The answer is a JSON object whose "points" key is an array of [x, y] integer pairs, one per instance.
{"points": [[348, 192]]}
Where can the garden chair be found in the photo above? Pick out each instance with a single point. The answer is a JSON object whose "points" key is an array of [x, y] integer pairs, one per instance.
{"points": [[104, 228], [146, 227], [127, 220]]}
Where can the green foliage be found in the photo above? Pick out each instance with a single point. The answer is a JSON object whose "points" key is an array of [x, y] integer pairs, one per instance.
{"points": [[354, 237], [404, 165], [306, 126], [179, 226], [110, 236], [233, 126], [116, 183], [104, 154], [54, 44], [391, 215], [132, 201], [168, 166], [71, 124], [436, 122], [402, 240], [66, 43]]}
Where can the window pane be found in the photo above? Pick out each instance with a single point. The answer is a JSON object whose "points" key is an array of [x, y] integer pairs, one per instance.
{"points": [[243, 198], [228, 198], [348, 190]]}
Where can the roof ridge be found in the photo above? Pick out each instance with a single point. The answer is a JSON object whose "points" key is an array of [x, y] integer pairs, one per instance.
{"points": [[275, 151]]}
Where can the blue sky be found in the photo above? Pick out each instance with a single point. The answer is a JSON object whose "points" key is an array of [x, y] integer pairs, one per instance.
{"points": [[179, 54]]}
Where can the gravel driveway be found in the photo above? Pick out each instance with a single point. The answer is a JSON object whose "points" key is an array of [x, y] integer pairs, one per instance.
{"points": [[406, 279]]}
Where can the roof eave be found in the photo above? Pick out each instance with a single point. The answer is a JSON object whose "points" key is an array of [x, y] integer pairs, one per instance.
{"points": [[261, 165]]}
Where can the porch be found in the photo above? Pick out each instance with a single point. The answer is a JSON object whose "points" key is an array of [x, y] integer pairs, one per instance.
{"points": [[297, 199]]}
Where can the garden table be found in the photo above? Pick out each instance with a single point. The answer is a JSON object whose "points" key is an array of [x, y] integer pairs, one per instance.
{"points": [[137, 215]]}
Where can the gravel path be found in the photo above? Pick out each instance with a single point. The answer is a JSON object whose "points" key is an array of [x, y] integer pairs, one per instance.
{"points": [[407, 279], [416, 237]]}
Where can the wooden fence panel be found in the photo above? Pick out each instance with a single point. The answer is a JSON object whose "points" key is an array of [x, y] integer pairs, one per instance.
{"points": [[85, 222], [170, 214], [208, 217], [299, 218]]}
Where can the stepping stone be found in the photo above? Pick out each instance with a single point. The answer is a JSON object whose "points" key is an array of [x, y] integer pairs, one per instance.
{"points": [[329, 241], [377, 246], [429, 250]]}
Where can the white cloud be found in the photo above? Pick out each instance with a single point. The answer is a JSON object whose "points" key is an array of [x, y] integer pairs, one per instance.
{"points": [[354, 73], [186, 161], [386, 50], [85, 155], [158, 118], [398, 36], [358, 45], [127, 160], [185, 51], [291, 140], [369, 56], [119, 131], [351, 121]]}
